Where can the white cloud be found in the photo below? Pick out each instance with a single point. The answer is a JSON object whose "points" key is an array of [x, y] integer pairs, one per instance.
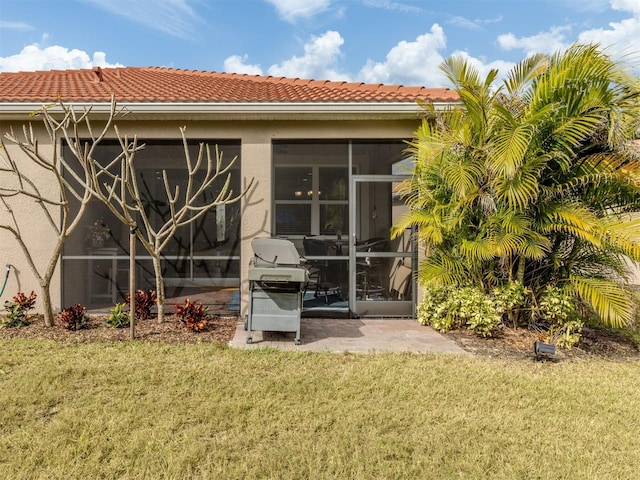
{"points": [[173, 17], [236, 64], [626, 6], [418, 62], [410, 63], [464, 23], [55, 57], [586, 5], [486, 21], [543, 42], [292, 10], [621, 38], [476, 24], [390, 5], [503, 67], [18, 26], [319, 61]]}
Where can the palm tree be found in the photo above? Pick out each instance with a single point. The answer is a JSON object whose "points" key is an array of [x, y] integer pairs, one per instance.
{"points": [[533, 180]]}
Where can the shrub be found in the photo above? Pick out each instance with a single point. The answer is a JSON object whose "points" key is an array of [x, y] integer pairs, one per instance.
{"points": [[557, 309], [73, 317], [446, 308], [510, 298], [192, 315], [17, 310], [555, 305], [434, 309], [567, 334], [144, 302], [118, 317], [477, 310]]}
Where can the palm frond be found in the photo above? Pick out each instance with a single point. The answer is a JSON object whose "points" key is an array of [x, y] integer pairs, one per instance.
{"points": [[478, 250], [520, 190], [442, 270], [507, 244], [431, 228], [460, 72], [536, 247], [462, 177], [513, 222], [601, 263], [573, 131], [569, 213], [623, 232], [524, 72], [610, 300], [510, 146]]}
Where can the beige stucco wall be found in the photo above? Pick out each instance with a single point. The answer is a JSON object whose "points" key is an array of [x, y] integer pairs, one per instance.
{"points": [[256, 161], [32, 223], [255, 136]]}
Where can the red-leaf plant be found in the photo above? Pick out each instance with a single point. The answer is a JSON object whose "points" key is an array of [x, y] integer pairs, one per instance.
{"points": [[192, 315], [73, 317], [144, 302], [17, 310]]}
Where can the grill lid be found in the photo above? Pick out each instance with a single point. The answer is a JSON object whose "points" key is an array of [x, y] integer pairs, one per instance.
{"points": [[279, 275], [274, 252]]}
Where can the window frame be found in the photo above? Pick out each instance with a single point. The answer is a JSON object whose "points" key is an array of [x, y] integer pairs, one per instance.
{"points": [[315, 201]]}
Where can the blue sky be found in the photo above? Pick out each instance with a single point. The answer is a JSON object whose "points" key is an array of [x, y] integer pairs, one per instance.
{"points": [[374, 41]]}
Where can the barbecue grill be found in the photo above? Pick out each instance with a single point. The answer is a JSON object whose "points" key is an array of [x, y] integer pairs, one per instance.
{"points": [[277, 279]]}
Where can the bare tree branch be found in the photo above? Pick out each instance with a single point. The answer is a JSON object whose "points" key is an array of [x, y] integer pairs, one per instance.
{"points": [[60, 122], [117, 186]]}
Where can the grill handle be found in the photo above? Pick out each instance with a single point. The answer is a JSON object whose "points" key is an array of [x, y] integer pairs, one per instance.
{"points": [[274, 262]]}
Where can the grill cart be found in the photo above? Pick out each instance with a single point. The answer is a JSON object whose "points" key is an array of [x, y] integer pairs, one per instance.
{"points": [[277, 279]]}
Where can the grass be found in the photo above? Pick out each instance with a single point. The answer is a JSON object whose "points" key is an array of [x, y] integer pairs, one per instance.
{"points": [[136, 410]]}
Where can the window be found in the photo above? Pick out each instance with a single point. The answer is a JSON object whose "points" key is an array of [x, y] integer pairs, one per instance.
{"points": [[311, 181], [206, 252], [311, 200]]}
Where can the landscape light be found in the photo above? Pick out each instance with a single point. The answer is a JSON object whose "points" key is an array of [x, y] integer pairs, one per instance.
{"points": [[541, 348]]}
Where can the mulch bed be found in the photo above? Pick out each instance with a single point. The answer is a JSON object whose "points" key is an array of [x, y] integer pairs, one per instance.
{"points": [[220, 330], [517, 343], [509, 343]]}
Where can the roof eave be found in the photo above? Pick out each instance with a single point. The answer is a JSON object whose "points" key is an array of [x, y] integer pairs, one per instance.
{"points": [[329, 110]]}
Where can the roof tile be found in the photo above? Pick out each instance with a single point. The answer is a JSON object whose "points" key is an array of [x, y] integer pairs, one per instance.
{"points": [[158, 84]]}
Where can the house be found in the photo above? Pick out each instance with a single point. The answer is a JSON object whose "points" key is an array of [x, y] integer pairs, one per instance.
{"points": [[324, 157]]}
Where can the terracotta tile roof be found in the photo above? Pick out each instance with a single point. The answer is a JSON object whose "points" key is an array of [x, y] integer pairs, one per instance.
{"points": [[155, 84]]}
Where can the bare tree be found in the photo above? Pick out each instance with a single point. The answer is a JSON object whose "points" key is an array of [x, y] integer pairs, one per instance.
{"points": [[117, 186], [54, 203]]}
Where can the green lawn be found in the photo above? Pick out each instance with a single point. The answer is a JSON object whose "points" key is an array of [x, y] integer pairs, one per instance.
{"points": [[155, 411]]}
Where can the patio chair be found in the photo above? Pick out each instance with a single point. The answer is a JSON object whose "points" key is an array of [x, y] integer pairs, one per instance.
{"points": [[369, 276], [400, 280], [319, 270]]}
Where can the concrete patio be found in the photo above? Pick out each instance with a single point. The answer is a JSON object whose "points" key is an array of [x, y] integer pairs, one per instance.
{"points": [[353, 335]]}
